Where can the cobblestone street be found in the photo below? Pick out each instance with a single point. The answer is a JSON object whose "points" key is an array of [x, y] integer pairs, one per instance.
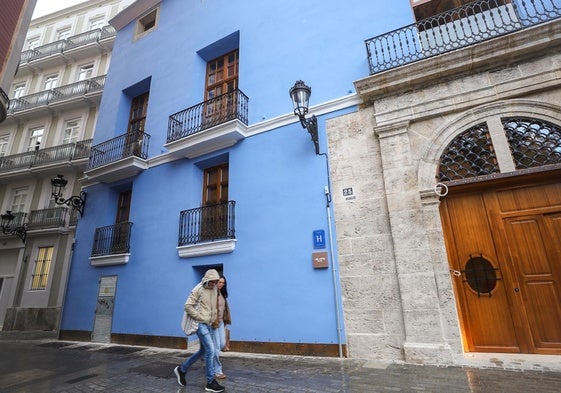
{"points": [[49, 365]]}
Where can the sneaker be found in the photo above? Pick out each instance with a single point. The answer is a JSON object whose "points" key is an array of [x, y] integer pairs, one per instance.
{"points": [[180, 376], [214, 387]]}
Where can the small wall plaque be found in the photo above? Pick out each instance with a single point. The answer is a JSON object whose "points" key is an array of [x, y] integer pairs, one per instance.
{"points": [[319, 260]]}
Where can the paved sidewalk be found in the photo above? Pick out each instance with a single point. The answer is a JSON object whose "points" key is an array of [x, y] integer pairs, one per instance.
{"points": [[37, 365]]}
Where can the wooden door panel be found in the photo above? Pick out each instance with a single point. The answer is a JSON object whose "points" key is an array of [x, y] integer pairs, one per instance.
{"points": [[490, 325], [486, 319], [545, 320], [526, 244], [533, 245], [543, 196], [518, 229]]}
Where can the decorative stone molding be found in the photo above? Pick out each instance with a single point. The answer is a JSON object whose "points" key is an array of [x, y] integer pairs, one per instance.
{"points": [[109, 260], [210, 248]]}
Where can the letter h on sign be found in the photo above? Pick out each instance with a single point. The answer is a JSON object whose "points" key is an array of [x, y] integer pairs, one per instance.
{"points": [[319, 239]]}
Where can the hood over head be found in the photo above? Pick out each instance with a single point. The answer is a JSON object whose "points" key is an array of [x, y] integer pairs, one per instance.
{"points": [[210, 275]]}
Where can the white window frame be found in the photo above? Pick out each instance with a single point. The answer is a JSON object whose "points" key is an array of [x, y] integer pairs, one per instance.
{"points": [[51, 81], [18, 201], [75, 132], [97, 22], [4, 144], [63, 33], [19, 90], [85, 72], [33, 42], [35, 139]]}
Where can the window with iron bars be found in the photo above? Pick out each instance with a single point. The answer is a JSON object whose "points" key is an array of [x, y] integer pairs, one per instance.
{"points": [[470, 154], [533, 142]]}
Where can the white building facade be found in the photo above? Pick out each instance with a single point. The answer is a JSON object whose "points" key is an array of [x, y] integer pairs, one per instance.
{"points": [[53, 105]]}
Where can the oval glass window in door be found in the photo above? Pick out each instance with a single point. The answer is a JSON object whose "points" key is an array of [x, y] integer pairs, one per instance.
{"points": [[480, 275]]}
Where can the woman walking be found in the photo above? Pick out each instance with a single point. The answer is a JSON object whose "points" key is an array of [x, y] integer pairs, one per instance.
{"points": [[219, 325]]}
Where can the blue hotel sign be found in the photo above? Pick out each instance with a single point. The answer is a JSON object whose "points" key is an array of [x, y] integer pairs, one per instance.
{"points": [[319, 238]]}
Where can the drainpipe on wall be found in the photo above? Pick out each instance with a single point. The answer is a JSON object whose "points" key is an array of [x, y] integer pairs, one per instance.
{"points": [[327, 191]]}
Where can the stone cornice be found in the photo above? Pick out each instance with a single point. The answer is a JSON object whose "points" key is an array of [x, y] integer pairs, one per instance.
{"points": [[537, 41], [392, 129]]}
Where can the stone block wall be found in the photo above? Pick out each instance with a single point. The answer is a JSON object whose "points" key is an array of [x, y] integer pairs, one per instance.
{"points": [[398, 297]]}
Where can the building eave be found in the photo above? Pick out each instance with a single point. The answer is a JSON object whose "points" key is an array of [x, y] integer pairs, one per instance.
{"points": [[132, 12]]}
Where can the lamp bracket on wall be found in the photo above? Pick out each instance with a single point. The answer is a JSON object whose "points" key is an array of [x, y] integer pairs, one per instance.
{"points": [[77, 202], [300, 94], [7, 229]]}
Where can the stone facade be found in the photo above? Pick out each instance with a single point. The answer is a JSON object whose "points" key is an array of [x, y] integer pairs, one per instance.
{"points": [[398, 297]]}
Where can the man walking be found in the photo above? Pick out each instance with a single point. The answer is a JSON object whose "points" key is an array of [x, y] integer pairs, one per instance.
{"points": [[201, 305]]}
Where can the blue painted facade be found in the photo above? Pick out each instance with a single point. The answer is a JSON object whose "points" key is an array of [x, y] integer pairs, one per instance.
{"points": [[274, 177]]}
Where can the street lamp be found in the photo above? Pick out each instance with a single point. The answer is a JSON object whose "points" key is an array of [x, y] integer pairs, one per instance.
{"points": [[19, 231], [77, 202], [300, 94]]}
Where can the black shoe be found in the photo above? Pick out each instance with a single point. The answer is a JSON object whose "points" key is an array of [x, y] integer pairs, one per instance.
{"points": [[214, 387], [181, 376]]}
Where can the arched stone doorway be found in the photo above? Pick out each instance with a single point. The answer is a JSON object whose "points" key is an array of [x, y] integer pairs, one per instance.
{"points": [[501, 220]]}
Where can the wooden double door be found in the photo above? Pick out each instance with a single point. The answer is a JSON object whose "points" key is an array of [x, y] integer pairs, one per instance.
{"points": [[504, 250]]}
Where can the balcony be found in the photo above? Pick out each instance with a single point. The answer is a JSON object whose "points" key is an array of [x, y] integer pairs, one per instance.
{"points": [[212, 125], [47, 218], [207, 230], [111, 245], [88, 90], [119, 158], [467, 25], [73, 48], [47, 160]]}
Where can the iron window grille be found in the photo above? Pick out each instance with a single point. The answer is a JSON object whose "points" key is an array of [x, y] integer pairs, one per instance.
{"points": [[470, 154], [533, 142]]}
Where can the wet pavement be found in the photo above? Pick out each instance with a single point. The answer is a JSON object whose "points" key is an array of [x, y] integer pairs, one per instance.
{"points": [[49, 365]]}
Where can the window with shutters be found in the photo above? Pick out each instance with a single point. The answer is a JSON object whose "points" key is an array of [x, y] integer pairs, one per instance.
{"points": [[40, 275]]}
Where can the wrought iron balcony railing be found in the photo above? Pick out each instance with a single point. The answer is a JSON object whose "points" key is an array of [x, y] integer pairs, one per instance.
{"points": [[469, 24], [65, 92], [47, 218], [50, 155], [112, 239], [207, 223], [123, 146], [60, 46], [218, 110]]}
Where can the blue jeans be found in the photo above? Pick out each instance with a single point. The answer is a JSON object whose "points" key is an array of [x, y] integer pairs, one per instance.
{"points": [[219, 343], [206, 349]]}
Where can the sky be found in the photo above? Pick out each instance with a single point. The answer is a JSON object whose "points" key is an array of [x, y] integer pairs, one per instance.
{"points": [[45, 7]]}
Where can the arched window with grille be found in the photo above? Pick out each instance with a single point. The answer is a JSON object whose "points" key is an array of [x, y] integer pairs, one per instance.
{"points": [[470, 154], [533, 142]]}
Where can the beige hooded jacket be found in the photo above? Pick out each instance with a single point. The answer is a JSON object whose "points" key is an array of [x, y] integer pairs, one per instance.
{"points": [[205, 297]]}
